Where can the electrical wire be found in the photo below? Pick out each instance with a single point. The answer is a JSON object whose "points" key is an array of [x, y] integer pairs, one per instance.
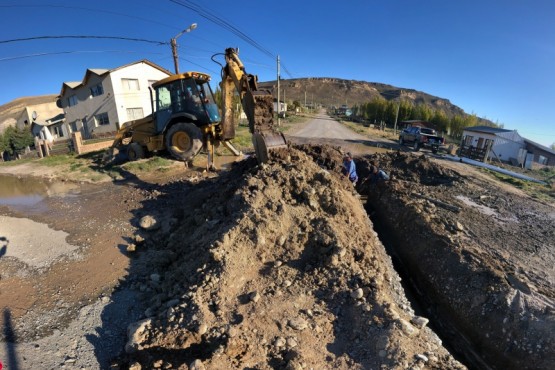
{"points": [[228, 26], [84, 37], [69, 52]]}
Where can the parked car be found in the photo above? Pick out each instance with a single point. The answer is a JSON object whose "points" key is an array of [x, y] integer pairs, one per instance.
{"points": [[421, 137]]}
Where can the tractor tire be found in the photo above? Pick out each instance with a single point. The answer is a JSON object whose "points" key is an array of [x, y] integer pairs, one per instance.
{"points": [[184, 141], [135, 152], [416, 146]]}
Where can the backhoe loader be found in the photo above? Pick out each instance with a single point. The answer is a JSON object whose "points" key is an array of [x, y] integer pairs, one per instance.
{"points": [[186, 117]]}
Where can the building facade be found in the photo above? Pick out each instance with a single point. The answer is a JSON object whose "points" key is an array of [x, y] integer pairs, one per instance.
{"points": [[105, 99], [486, 143]]}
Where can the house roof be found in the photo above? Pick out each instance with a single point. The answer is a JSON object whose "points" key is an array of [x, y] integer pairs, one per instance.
{"points": [[486, 129], [99, 72], [542, 147]]}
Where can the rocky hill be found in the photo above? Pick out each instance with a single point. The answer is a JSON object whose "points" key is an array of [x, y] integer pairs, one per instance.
{"points": [[336, 92]]}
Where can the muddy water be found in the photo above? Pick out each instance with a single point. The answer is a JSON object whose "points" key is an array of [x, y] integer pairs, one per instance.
{"points": [[28, 193]]}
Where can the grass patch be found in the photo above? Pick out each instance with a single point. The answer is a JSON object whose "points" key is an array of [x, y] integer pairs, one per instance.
{"points": [[76, 166], [243, 138], [535, 190], [58, 160]]}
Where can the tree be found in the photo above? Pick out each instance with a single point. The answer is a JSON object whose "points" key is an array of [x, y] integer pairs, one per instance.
{"points": [[553, 146], [440, 121], [3, 143], [457, 125], [16, 140]]}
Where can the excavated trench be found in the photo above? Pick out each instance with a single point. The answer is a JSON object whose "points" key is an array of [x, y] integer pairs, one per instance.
{"points": [[448, 277], [442, 322]]}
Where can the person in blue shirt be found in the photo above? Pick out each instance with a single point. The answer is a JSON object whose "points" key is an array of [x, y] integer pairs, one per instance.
{"points": [[377, 176], [349, 168]]}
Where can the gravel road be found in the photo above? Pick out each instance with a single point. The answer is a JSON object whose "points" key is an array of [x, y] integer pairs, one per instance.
{"points": [[324, 127]]}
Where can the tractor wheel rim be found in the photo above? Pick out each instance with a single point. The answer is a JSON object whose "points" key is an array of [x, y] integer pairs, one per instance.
{"points": [[181, 141]]}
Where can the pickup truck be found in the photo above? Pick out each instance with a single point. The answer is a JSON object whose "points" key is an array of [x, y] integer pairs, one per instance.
{"points": [[421, 137]]}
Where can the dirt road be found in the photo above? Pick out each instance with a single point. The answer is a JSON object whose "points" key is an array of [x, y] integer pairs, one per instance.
{"points": [[323, 126], [323, 129]]}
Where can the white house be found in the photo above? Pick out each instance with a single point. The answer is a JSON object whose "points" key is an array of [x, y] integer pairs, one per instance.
{"points": [[282, 106], [106, 98], [486, 143]]}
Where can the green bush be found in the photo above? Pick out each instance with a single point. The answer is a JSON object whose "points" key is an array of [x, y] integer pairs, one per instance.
{"points": [[14, 140]]}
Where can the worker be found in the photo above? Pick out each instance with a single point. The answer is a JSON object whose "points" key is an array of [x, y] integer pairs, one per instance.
{"points": [[349, 168], [377, 176]]}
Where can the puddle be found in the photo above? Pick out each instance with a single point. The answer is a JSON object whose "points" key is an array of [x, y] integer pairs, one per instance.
{"points": [[25, 193], [485, 209], [31, 242]]}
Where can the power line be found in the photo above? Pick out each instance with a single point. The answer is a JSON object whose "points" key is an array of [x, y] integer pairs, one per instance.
{"points": [[68, 52], [228, 26], [222, 23], [84, 37]]}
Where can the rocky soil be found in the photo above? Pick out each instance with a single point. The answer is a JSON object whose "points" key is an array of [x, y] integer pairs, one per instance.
{"points": [[279, 267]]}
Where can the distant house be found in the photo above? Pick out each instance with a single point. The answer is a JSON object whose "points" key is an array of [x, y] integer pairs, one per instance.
{"points": [[282, 106], [106, 98], [486, 143], [28, 111]]}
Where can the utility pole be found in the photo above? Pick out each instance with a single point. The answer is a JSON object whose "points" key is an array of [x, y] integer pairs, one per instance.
{"points": [[396, 117], [278, 102], [397, 114], [284, 102], [173, 43]]}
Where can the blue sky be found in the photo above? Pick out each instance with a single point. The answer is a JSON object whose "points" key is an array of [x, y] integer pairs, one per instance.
{"points": [[492, 58]]}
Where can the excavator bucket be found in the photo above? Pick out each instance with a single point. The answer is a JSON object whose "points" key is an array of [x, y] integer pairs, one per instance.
{"points": [[267, 141], [265, 137], [257, 104]]}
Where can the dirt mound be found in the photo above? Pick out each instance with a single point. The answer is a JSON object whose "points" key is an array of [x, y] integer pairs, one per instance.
{"points": [[480, 258], [272, 266]]}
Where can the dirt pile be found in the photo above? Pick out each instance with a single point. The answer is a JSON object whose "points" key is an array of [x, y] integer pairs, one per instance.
{"points": [[271, 267], [481, 258]]}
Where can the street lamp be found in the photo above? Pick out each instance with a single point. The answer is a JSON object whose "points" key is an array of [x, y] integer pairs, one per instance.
{"points": [[173, 43]]}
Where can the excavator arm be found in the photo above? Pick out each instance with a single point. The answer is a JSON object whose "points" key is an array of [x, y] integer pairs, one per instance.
{"points": [[257, 105]]}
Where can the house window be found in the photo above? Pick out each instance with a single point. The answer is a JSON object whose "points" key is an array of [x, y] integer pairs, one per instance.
{"points": [[542, 160], [72, 100], [101, 119], [97, 90], [130, 84], [468, 140], [134, 113], [73, 126]]}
